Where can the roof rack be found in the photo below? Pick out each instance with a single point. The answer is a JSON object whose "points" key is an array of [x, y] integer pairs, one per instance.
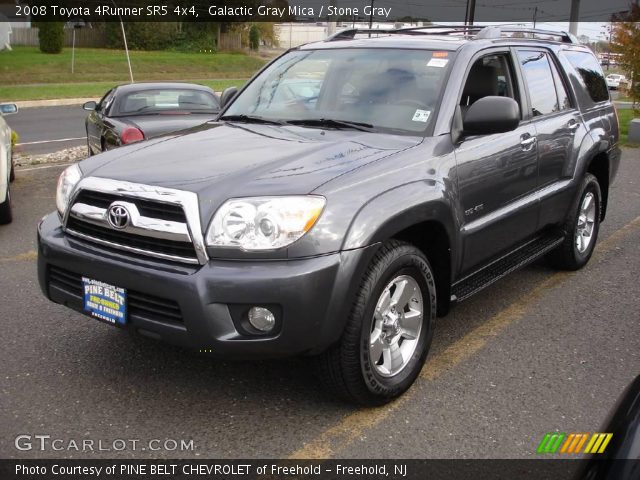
{"points": [[498, 31], [350, 33], [468, 31]]}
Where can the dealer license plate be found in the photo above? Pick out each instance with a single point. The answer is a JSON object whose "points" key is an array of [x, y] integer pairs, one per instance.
{"points": [[105, 302]]}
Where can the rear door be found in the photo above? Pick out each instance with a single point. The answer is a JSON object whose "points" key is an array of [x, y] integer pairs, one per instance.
{"points": [[558, 124]]}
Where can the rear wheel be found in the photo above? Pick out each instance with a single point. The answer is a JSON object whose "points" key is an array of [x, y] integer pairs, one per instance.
{"points": [[5, 209], [581, 228], [12, 174], [388, 333]]}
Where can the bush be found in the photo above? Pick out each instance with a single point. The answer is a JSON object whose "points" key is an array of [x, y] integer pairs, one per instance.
{"points": [[14, 138], [142, 35], [51, 37], [196, 36], [254, 38]]}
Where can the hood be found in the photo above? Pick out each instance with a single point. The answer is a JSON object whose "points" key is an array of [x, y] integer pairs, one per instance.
{"points": [[155, 125], [219, 161]]}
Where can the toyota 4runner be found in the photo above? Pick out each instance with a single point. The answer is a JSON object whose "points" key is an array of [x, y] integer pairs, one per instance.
{"points": [[348, 195]]}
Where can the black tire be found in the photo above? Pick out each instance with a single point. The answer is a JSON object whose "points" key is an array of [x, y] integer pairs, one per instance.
{"points": [[568, 256], [5, 209], [346, 368], [12, 174]]}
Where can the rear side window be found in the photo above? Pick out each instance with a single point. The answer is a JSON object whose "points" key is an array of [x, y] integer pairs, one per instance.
{"points": [[589, 69], [563, 96], [539, 78]]}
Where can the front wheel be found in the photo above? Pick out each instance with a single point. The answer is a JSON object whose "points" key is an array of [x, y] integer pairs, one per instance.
{"points": [[388, 333], [581, 228]]}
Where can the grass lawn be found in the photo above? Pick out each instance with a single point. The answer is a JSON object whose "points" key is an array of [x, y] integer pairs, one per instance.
{"points": [[28, 74], [15, 93], [625, 116]]}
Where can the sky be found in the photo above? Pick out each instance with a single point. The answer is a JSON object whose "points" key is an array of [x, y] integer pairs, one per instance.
{"points": [[592, 13]]}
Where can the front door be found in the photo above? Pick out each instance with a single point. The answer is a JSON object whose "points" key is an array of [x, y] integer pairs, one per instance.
{"points": [[497, 174]]}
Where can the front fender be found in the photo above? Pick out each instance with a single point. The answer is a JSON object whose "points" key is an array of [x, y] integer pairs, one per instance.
{"points": [[403, 207]]}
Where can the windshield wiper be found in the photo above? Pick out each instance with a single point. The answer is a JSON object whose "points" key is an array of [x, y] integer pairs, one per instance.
{"points": [[333, 123], [251, 119]]}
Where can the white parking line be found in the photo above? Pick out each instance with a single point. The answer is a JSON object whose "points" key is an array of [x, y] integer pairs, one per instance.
{"points": [[43, 166], [50, 141]]}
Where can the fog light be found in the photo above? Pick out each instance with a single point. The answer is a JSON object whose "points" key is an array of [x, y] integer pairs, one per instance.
{"points": [[262, 319]]}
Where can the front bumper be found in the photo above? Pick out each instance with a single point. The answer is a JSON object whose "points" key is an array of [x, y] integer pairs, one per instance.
{"points": [[310, 296]]}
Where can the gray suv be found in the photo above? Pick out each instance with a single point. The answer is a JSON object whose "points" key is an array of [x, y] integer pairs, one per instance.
{"points": [[350, 193]]}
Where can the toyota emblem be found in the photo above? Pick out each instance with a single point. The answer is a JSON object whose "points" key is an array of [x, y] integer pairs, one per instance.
{"points": [[118, 216]]}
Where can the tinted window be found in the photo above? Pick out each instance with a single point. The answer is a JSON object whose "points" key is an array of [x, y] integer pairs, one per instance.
{"points": [[539, 79], [563, 97], [488, 76], [106, 100], [166, 101], [589, 69]]}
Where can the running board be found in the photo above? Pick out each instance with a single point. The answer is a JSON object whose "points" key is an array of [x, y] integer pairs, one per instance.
{"points": [[519, 258]]}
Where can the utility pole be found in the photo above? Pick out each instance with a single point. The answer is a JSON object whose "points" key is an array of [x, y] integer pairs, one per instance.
{"points": [[608, 31], [331, 26], [471, 12], [371, 19], [574, 15], [124, 39], [535, 16]]}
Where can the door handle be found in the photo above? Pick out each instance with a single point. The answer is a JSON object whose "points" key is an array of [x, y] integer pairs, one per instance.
{"points": [[573, 125], [527, 142]]}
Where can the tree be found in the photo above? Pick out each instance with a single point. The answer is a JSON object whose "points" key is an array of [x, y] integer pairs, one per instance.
{"points": [[254, 38], [625, 40], [51, 36]]}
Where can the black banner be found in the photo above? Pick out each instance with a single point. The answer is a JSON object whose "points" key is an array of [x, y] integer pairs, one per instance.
{"points": [[540, 469], [346, 11]]}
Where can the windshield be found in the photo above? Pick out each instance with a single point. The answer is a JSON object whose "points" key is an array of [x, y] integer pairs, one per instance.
{"points": [[166, 101], [385, 89]]}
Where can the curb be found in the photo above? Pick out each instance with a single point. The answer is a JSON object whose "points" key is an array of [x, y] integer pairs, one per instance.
{"points": [[53, 103]]}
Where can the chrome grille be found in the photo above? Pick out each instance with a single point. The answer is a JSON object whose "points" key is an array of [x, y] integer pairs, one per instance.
{"points": [[157, 220], [162, 211]]}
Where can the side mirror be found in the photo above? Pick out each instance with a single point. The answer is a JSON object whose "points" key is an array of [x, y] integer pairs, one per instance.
{"points": [[228, 94], [491, 115], [91, 106], [8, 108]]}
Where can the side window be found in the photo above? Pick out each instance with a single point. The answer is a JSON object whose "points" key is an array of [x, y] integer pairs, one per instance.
{"points": [[105, 101], [538, 76], [563, 96], [591, 73], [489, 76]]}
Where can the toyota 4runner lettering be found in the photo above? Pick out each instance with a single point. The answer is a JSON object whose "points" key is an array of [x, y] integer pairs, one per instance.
{"points": [[349, 194]]}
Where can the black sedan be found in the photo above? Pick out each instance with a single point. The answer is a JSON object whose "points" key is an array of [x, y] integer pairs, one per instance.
{"points": [[134, 112]]}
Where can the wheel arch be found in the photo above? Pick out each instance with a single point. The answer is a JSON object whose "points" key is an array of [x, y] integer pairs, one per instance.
{"points": [[416, 214], [599, 167]]}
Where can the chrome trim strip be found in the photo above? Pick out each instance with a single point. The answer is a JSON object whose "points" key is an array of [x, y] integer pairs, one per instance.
{"points": [[187, 200], [106, 243], [139, 225]]}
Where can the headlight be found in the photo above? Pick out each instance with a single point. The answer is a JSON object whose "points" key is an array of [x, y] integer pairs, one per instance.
{"points": [[66, 183], [263, 223]]}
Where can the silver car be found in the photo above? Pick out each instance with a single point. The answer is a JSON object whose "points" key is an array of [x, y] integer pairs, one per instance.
{"points": [[6, 163]]}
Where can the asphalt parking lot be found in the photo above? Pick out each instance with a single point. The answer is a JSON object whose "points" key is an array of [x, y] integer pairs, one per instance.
{"points": [[538, 352], [49, 129]]}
